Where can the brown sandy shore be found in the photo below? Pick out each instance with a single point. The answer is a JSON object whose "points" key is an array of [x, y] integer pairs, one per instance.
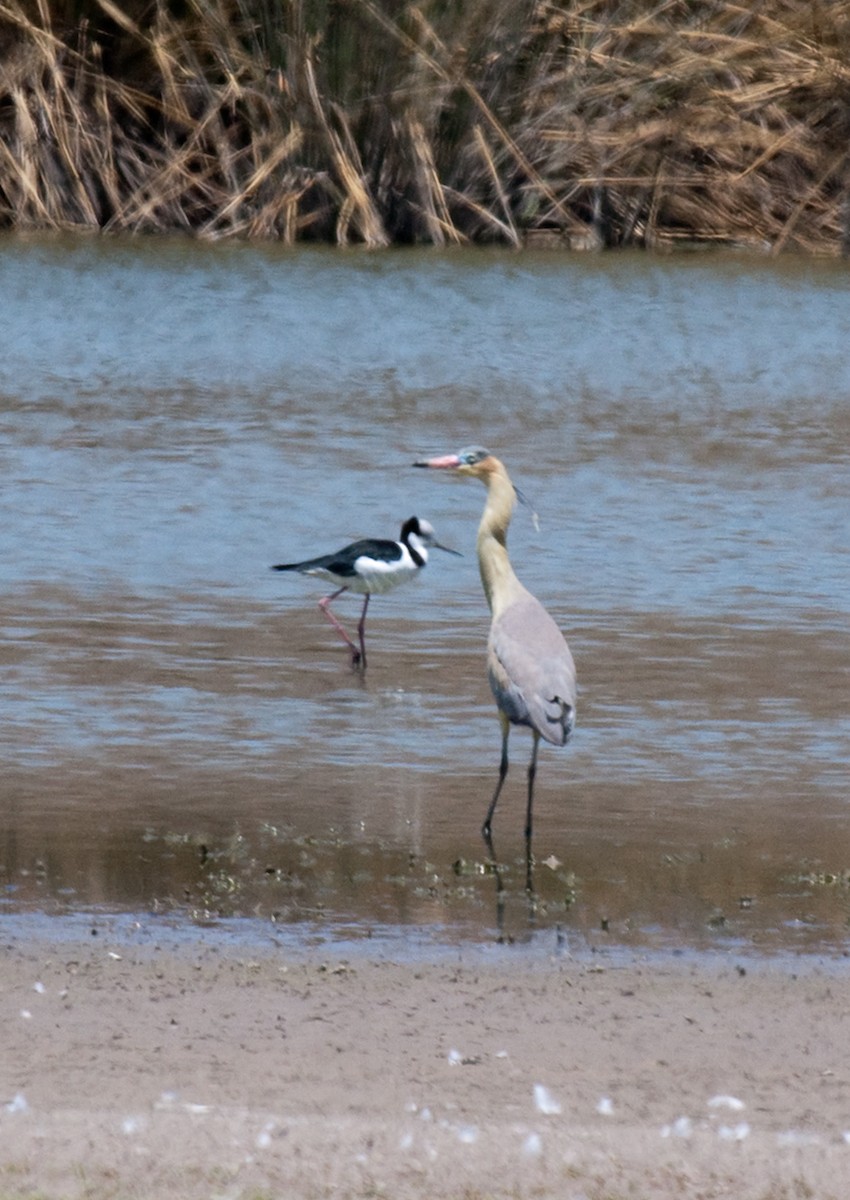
{"points": [[208, 1068]]}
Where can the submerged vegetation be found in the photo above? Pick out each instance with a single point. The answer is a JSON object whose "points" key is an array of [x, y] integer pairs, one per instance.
{"points": [[578, 122]]}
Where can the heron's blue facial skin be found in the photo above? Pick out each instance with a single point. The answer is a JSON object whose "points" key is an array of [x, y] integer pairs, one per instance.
{"points": [[471, 455]]}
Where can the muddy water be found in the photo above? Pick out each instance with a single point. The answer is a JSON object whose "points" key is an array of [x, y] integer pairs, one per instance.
{"points": [[181, 731]]}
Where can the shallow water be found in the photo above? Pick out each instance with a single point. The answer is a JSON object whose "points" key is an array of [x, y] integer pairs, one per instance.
{"points": [[181, 729]]}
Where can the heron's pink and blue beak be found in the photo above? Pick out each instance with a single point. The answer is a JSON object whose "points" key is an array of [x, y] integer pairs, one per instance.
{"points": [[444, 463]]}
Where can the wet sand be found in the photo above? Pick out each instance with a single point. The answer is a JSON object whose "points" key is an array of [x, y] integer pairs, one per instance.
{"points": [[134, 1068]]}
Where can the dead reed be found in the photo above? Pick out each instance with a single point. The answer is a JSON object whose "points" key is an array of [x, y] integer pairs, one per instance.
{"points": [[580, 122]]}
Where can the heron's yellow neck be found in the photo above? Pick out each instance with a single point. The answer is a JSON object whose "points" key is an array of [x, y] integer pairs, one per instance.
{"points": [[497, 574]]}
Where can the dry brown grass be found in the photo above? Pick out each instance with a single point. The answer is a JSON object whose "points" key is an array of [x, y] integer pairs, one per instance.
{"points": [[590, 123]]}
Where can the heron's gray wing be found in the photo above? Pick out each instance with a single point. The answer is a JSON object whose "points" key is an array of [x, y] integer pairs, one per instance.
{"points": [[531, 670]]}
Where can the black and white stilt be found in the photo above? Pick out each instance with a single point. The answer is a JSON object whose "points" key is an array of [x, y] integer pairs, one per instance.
{"points": [[367, 566]]}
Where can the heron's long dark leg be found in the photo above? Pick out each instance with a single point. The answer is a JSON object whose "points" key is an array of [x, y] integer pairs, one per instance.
{"points": [[503, 770], [532, 771], [529, 856], [361, 629], [324, 605]]}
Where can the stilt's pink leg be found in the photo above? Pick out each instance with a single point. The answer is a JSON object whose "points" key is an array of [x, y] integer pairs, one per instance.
{"points": [[324, 605]]}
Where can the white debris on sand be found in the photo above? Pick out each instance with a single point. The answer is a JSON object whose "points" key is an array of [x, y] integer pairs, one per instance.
{"points": [[467, 1134], [682, 1127], [730, 1102], [264, 1138], [545, 1102], [532, 1146], [734, 1133], [796, 1138]]}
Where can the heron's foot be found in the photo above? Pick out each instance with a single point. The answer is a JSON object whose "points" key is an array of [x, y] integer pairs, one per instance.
{"points": [[357, 660]]}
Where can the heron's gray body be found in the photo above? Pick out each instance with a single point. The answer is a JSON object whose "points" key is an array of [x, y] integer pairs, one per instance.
{"points": [[536, 691]]}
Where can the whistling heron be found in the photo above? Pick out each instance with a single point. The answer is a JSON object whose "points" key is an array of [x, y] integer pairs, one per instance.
{"points": [[529, 665]]}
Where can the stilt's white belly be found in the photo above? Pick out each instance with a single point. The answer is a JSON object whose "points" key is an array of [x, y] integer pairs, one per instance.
{"points": [[373, 575], [379, 577]]}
